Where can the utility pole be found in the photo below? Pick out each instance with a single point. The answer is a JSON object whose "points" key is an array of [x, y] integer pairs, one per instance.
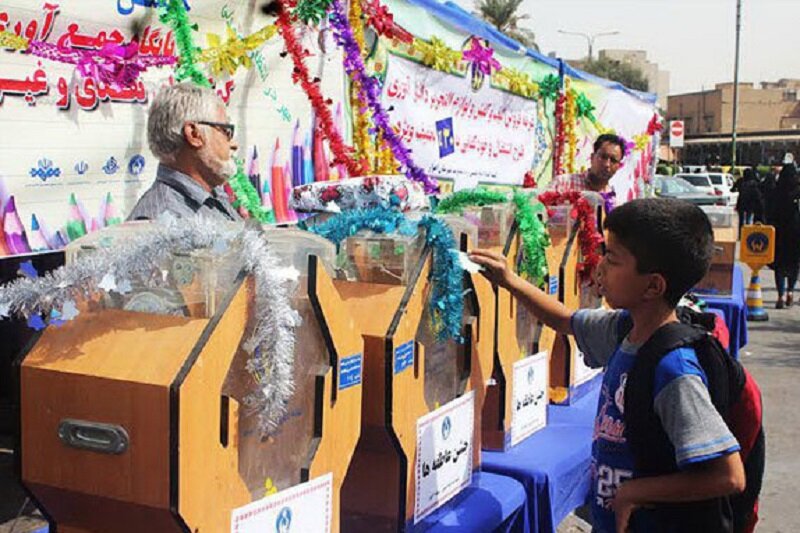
{"points": [[736, 83], [590, 38]]}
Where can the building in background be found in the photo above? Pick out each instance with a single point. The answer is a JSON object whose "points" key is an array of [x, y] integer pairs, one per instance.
{"points": [[768, 123], [657, 79]]}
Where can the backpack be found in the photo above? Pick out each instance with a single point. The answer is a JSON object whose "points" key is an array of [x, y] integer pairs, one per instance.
{"points": [[736, 397]]}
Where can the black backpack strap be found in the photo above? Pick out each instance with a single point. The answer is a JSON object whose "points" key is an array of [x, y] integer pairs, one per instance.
{"points": [[650, 445]]}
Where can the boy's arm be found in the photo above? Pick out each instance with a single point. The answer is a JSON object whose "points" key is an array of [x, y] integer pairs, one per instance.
{"points": [[548, 309], [710, 479]]}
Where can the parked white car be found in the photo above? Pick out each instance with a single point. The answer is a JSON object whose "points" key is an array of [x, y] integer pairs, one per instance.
{"points": [[703, 181], [724, 182]]}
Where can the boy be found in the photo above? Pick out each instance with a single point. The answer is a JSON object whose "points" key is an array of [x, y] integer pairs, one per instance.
{"points": [[656, 250]]}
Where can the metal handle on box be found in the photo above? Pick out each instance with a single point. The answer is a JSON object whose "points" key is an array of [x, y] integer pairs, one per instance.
{"points": [[93, 436]]}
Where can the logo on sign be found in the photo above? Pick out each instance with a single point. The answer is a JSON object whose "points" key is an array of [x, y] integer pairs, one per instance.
{"points": [[81, 167], [284, 521], [447, 426], [45, 170], [111, 166], [757, 243], [136, 165], [531, 375], [444, 133]]}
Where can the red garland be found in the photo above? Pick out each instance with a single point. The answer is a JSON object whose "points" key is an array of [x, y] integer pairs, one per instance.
{"points": [[382, 21], [590, 239], [655, 125], [558, 152], [529, 182], [341, 151]]}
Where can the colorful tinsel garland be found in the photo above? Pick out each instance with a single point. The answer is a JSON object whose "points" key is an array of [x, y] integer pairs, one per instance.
{"points": [[114, 64], [535, 238], [341, 152], [234, 52], [247, 196], [589, 238], [370, 92], [446, 304], [173, 13]]}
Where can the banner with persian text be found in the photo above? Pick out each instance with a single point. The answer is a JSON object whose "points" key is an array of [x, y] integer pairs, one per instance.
{"points": [[460, 129], [73, 150]]}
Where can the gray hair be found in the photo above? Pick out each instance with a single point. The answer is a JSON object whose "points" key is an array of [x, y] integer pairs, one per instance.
{"points": [[174, 106]]}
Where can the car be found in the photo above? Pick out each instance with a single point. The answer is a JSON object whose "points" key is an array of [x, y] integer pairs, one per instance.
{"points": [[723, 182], [703, 182], [675, 187]]}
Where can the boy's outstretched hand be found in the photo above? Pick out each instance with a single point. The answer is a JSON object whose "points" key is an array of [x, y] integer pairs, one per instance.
{"points": [[495, 266]]}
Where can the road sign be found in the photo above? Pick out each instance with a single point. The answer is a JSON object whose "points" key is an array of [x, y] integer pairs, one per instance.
{"points": [[676, 133], [758, 246]]}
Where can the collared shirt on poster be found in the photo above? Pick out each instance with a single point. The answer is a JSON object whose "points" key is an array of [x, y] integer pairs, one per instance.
{"points": [[580, 182], [177, 193]]}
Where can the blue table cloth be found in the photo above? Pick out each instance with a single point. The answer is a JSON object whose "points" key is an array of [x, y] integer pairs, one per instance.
{"points": [[491, 503], [735, 310], [553, 464]]}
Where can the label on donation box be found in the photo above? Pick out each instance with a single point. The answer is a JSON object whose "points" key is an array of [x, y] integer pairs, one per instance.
{"points": [[529, 411], [444, 454], [304, 507], [583, 372], [758, 246]]}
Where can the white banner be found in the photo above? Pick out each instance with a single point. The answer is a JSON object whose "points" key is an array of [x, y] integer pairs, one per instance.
{"points": [[583, 372], [444, 454], [529, 412], [304, 508], [459, 133]]}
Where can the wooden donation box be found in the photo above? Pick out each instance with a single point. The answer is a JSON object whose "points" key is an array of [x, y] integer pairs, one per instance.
{"points": [[515, 334], [718, 281], [385, 283], [138, 416], [568, 372]]}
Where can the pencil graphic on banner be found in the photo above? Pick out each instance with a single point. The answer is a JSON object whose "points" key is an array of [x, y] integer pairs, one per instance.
{"points": [[76, 227], [253, 169], [4, 250], [320, 159], [308, 162], [59, 240], [15, 233], [297, 156], [37, 240], [277, 184], [49, 238], [291, 216], [101, 212], [110, 216]]}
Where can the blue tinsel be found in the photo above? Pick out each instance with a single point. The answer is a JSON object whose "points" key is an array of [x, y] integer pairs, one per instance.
{"points": [[446, 303]]}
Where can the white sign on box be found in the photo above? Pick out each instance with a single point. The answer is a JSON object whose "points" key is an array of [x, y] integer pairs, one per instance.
{"points": [[304, 508], [583, 372], [529, 410], [444, 454]]}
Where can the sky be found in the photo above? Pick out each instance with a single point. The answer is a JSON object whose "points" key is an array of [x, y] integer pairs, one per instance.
{"points": [[693, 39]]}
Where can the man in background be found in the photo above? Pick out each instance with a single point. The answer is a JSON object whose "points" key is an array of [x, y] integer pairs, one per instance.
{"points": [[189, 132]]}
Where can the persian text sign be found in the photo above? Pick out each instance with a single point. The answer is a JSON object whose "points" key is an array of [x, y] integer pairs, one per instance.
{"points": [[304, 507], [457, 133], [529, 410], [444, 454]]}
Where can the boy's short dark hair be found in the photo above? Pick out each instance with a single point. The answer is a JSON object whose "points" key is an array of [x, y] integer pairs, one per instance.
{"points": [[666, 236], [610, 138]]}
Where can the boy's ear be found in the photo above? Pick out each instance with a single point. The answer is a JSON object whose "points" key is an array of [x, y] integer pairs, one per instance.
{"points": [[656, 286]]}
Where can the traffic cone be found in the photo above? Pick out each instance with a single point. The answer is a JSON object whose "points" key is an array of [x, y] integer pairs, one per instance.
{"points": [[755, 303]]}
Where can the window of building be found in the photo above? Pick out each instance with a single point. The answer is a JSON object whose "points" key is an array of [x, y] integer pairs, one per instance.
{"points": [[790, 95]]}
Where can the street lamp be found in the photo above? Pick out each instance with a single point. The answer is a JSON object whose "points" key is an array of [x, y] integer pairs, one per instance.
{"points": [[590, 37]]}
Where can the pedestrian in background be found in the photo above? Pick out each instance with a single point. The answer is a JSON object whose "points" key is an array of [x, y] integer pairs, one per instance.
{"points": [[787, 235], [768, 185], [750, 204]]}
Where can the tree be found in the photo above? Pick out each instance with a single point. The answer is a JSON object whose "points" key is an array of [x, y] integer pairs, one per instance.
{"points": [[502, 14], [626, 74]]}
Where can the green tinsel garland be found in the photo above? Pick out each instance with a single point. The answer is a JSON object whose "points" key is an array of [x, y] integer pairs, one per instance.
{"points": [[247, 197], [535, 238], [311, 11], [172, 13]]}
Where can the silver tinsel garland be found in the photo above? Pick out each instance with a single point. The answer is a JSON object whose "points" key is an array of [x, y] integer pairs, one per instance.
{"points": [[272, 342]]}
